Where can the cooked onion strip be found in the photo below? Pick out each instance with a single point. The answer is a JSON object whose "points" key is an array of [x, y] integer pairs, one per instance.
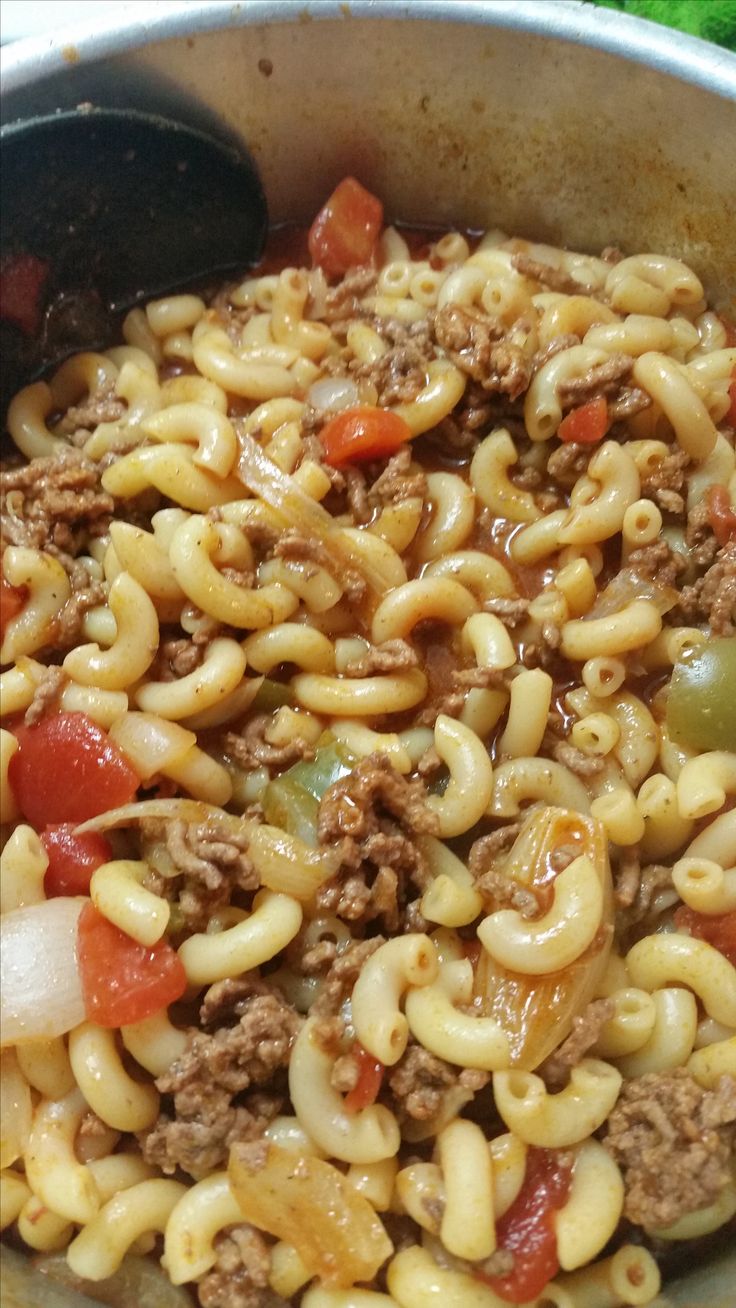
{"points": [[296, 509], [40, 989]]}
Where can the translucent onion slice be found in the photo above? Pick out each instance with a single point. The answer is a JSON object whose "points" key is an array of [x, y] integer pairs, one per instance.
{"points": [[537, 1012], [151, 743], [184, 810], [40, 989], [306, 1201], [296, 509], [15, 1109], [628, 585], [333, 394]]}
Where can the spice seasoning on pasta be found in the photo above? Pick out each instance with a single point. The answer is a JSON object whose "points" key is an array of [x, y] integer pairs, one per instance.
{"points": [[370, 844]]}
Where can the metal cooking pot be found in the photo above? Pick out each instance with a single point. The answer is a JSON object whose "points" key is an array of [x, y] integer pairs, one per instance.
{"points": [[558, 122]]}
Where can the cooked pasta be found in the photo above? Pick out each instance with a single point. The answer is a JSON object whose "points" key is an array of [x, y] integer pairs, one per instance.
{"points": [[368, 872]]}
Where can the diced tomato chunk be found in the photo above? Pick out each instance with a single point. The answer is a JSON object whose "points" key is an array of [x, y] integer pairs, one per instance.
{"points": [[12, 599], [730, 330], [122, 981], [67, 769], [346, 229], [718, 930], [356, 435], [370, 1077], [22, 279], [73, 857], [586, 425], [527, 1228], [721, 514]]}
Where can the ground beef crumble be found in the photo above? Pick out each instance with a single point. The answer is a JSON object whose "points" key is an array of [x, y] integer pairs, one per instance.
{"points": [[401, 373], [672, 1140], [214, 1071], [373, 815], [586, 1029], [197, 865], [419, 1082], [250, 748], [478, 346], [391, 656], [712, 598], [239, 1278]]}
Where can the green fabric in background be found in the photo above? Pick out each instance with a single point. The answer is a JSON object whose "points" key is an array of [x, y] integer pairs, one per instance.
{"points": [[712, 20]]}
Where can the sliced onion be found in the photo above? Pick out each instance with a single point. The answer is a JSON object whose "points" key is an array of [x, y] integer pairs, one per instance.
{"points": [[297, 509], [184, 810], [15, 1109], [628, 585], [333, 394], [151, 744], [40, 989]]}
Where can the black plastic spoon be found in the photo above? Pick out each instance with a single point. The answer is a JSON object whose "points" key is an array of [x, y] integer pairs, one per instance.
{"points": [[103, 208]]}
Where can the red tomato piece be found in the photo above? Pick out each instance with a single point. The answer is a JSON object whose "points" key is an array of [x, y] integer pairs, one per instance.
{"points": [[730, 330], [73, 857], [586, 425], [527, 1228], [370, 1077], [364, 433], [123, 981], [22, 279], [12, 599], [346, 228], [67, 769], [721, 514], [718, 930]]}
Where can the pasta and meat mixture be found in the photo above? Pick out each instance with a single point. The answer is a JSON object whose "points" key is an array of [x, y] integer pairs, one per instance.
{"points": [[368, 775]]}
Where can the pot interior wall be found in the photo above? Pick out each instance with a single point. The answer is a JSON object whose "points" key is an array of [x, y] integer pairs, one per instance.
{"points": [[453, 123]]}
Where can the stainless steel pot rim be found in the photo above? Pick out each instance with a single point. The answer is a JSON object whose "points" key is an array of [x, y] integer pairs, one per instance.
{"points": [[685, 57]]}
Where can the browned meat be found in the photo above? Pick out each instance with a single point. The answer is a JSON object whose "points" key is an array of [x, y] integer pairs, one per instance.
{"points": [[665, 482], [480, 679], [658, 562], [373, 814], [48, 504], [586, 1029], [251, 749], [712, 598], [555, 346], [46, 695], [102, 406], [239, 1278], [396, 483], [342, 976], [699, 538], [567, 463], [196, 865], [216, 1069], [553, 278], [343, 300], [420, 1081], [510, 611], [505, 892], [399, 374], [293, 546], [477, 345], [391, 656], [583, 765], [672, 1141], [630, 400], [601, 379], [461, 430]]}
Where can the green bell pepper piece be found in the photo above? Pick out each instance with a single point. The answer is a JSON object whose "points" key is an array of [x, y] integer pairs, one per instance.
{"points": [[701, 706]]}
